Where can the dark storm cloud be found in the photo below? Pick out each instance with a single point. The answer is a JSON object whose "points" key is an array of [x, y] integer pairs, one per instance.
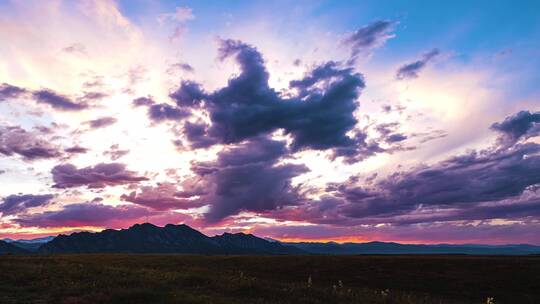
{"points": [[101, 122], [8, 91], [189, 94], [57, 101], [247, 177], [523, 124], [83, 214], [18, 203], [195, 134], [319, 117], [15, 140], [369, 37], [98, 176], [411, 70]]}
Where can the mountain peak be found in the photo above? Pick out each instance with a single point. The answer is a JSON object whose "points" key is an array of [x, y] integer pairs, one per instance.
{"points": [[143, 225], [149, 238]]}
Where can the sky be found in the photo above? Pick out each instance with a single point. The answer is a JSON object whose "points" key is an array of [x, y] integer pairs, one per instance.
{"points": [[350, 121]]}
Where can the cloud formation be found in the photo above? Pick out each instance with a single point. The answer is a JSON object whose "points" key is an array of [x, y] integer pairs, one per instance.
{"points": [[161, 112], [521, 125], [501, 182], [411, 70], [98, 176], [247, 177], [320, 115], [164, 196], [369, 37], [101, 122], [8, 91], [19, 203], [57, 101], [76, 150], [15, 140]]}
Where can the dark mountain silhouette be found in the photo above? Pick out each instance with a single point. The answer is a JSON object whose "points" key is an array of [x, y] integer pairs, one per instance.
{"points": [[148, 238], [396, 248], [6, 247]]}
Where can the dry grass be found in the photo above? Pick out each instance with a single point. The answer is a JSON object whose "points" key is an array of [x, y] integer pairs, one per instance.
{"points": [[122, 278]]}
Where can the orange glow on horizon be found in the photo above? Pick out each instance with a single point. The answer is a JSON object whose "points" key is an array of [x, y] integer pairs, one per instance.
{"points": [[32, 233]]}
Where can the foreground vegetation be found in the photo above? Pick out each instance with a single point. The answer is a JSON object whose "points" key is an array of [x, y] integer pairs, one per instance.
{"points": [[123, 278]]}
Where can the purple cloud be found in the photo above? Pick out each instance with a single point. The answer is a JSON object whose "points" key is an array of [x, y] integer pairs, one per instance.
{"points": [[19, 203], [163, 111], [90, 96], [57, 101], [28, 145], [523, 124], [319, 117], [182, 66], [101, 122], [189, 94], [247, 177], [76, 150], [8, 91], [143, 101], [484, 176], [500, 182], [98, 176]]}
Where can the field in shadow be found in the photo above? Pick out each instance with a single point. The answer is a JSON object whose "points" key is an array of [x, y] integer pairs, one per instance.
{"points": [[124, 278]]}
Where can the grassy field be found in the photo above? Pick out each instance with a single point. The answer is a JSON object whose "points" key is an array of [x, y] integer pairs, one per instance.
{"points": [[122, 278]]}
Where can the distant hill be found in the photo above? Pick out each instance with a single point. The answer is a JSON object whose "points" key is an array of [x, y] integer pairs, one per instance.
{"points": [[396, 248], [148, 238], [6, 247], [239, 243], [30, 245]]}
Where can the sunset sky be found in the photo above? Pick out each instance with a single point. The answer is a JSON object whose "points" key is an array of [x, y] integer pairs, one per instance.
{"points": [[406, 121]]}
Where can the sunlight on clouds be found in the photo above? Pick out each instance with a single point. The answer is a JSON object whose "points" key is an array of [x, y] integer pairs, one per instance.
{"points": [[76, 48]]}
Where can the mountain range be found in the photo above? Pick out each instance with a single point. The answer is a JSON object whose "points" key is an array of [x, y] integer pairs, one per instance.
{"points": [[30, 245], [148, 238]]}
